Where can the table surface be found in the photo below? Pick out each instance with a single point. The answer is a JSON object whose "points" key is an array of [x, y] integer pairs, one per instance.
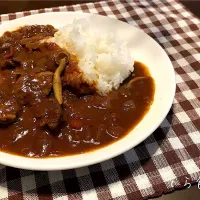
{"points": [[192, 5]]}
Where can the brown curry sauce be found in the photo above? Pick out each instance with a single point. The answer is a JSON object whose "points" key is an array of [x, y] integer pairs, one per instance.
{"points": [[87, 122]]}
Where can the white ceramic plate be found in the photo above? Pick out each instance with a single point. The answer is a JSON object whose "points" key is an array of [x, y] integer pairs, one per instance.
{"points": [[145, 50]]}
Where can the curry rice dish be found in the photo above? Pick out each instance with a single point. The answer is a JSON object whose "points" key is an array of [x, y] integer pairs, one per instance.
{"points": [[42, 114]]}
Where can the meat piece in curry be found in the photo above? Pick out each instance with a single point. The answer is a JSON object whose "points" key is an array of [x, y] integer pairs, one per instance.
{"points": [[9, 107], [73, 78], [9, 110], [38, 119], [48, 112], [30, 88]]}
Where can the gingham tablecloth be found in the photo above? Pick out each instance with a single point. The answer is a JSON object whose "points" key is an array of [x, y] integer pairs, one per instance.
{"points": [[170, 157]]}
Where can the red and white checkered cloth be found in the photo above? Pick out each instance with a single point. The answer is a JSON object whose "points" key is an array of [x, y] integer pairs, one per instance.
{"points": [[170, 157]]}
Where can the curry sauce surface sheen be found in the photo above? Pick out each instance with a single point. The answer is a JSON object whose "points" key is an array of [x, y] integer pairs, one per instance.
{"points": [[87, 122]]}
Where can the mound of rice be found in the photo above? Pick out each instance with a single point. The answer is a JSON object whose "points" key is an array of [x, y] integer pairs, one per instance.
{"points": [[102, 58]]}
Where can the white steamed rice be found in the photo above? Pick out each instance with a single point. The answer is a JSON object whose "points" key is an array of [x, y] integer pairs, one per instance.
{"points": [[102, 57]]}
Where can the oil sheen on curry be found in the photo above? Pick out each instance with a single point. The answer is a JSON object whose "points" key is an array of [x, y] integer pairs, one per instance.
{"points": [[33, 123]]}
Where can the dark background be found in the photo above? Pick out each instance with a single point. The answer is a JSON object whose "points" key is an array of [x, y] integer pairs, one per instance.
{"points": [[15, 6]]}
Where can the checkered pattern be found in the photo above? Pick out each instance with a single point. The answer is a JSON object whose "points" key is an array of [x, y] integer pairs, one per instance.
{"points": [[164, 161]]}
